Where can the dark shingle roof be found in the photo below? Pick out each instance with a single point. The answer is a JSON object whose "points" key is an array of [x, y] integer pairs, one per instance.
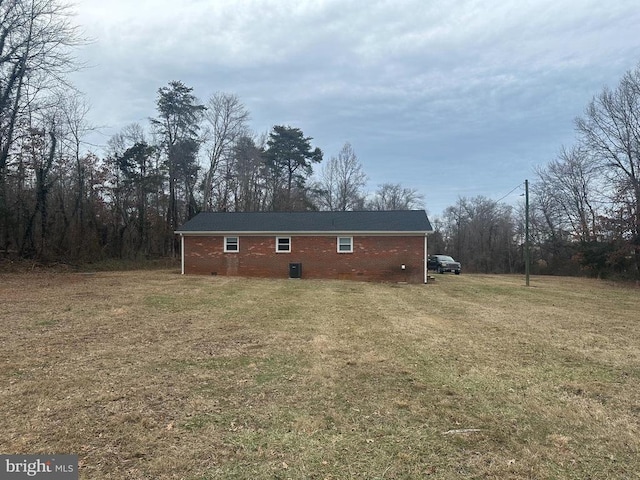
{"points": [[273, 222]]}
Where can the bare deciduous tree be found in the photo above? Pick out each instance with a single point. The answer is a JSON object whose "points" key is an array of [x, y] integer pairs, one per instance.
{"points": [[480, 233], [342, 181], [568, 184], [226, 121], [393, 196], [36, 38], [610, 129]]}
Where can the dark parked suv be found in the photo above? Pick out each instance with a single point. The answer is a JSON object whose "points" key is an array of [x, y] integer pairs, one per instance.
{"points": [[443, 263]]}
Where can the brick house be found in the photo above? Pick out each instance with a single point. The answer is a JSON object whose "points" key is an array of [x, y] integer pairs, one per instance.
{"points": [[364, 245]]}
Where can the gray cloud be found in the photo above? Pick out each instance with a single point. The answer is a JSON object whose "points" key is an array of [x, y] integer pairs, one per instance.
{"points": [[481, 91]]}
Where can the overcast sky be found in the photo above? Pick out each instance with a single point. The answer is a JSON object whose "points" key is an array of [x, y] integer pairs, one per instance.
{"points": [[453, 99]]}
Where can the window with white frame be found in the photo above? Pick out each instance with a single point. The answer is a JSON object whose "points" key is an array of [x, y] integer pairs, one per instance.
{"points": [[231, 244], [345, 244], [283, 244]]}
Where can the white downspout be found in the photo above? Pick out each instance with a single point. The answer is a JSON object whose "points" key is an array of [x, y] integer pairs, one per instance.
{"points": [[426, 272], [182, 254]]}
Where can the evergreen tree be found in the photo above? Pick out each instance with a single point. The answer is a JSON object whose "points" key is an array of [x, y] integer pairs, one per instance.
{"points": [[289, 159]]}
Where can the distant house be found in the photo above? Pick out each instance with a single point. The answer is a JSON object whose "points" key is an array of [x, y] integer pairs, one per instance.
{"points": [[364, 245]]}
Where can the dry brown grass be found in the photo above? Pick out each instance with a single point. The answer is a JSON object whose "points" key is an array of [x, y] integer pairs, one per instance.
{"points": [[156, 375]]}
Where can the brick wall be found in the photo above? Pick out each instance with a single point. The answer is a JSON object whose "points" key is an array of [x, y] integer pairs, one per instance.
{"points": [[374, 258]]}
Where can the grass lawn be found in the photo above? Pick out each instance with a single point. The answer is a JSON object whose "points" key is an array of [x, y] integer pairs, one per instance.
{"points": [[153, 375]]}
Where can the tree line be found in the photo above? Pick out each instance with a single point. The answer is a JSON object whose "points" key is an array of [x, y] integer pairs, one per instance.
{"points": [[587, 200], [61, 201], [585, 203]]}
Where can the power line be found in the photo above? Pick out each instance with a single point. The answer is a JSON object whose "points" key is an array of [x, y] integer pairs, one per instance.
{"points": [[514, 189]]}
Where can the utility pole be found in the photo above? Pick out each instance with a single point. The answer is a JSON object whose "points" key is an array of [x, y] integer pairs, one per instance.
{"points": [[527, 253]]}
